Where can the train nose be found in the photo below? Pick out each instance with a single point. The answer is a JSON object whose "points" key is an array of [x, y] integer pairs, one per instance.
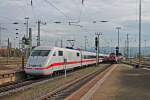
{"points": [[37, 61], [34, 65], [34, 71]]}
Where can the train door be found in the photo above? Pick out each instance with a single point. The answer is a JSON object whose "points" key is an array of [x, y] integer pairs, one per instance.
{"points": [[78, 58], [65, 59], [58, 60]]}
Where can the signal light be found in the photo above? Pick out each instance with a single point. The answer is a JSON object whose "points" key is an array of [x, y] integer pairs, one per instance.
{"points": [[96, 43]]}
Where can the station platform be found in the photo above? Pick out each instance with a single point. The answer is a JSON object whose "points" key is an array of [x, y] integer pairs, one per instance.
{"points": [[10, 73], [125, 83]]}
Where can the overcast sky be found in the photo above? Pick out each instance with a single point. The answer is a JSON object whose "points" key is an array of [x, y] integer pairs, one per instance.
{"points": [[122, 13]]}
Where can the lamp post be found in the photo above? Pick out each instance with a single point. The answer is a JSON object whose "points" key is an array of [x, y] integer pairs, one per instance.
{"points": [[98, 34], [27, 25], [127, 46], [118, 28], [22, 51], [16, 23], [39, 32], [145, 49], [97, 50]]}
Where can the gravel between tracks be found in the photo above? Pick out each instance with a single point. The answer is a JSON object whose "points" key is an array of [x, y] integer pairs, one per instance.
{"points": [[35, 91]]}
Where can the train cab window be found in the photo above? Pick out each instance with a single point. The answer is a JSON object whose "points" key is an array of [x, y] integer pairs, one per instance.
{"points": [[44, 52], [78, 54], [35, 53], [40, 53], [60, 53]]}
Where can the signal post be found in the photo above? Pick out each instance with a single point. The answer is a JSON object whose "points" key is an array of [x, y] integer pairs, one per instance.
{"points": [[97, 46]]}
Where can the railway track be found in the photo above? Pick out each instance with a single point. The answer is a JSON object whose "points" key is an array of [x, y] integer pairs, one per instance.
{"points": [[12, 89], [66, 90], [143, 64], [18, 86], [27, 83]]}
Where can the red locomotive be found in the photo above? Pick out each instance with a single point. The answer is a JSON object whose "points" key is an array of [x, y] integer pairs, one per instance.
{"points": [[112, 58]]}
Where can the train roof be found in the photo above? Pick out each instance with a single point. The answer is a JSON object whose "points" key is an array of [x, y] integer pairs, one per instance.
{"points": [[74, 50], [50, 48], [43, 48]]}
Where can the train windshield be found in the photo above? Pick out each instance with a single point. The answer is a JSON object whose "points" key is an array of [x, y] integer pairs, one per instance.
{"points": [[40, 53]]}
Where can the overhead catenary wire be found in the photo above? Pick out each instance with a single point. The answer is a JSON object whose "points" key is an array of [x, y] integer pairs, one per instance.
{"points": [[80, 13], [82, 2], [23, 7], [7, 18], [35, 13], [136, 10], [15, 19], [32, 4], [66, 16], [51, 4], [33, 10]]}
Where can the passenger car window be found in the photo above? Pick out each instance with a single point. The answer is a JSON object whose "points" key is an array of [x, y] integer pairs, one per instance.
{"points": [[78, 54], [89, 56], [60, 53]]}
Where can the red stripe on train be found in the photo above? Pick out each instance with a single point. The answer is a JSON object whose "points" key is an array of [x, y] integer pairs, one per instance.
{"points": [[59, 64]]}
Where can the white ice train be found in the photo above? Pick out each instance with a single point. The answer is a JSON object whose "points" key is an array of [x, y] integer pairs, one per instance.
{"points": [[45, 60]]}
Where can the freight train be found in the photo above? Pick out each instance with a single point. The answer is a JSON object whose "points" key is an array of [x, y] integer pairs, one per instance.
{"points": [[45, 60]]}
